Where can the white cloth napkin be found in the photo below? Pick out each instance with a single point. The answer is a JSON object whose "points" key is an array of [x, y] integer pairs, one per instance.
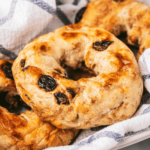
{"points": [[144, 64], [23, 20]]}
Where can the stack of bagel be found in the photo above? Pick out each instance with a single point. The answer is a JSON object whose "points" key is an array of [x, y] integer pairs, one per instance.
{"points": [[58, 106], [24, 130]]}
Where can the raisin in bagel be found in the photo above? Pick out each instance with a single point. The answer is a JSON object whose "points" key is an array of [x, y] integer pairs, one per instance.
{"points": [[112, 95], [25, 131], [118, 16]]}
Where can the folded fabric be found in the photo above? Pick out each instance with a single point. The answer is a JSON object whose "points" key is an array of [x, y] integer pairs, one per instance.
{"points": [[23, 20], [144, 64]]}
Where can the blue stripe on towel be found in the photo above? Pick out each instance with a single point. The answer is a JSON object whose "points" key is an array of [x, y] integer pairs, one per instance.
{"points": [[58, 2], [136, 132], [75, 2], [8, 53], [144, 61], [43, 5], [116, 136], [10, 13], [62, 16], [146, 110], [146, 77], [109, 134]]}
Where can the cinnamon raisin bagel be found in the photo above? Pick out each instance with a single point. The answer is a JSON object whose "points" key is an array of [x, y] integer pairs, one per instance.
{"points": [[111, 95], [116, 16], [25, 131]]}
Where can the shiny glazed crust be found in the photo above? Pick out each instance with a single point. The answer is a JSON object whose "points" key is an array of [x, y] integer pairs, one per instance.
{"points": [[118, 16], [27, 131], [101, 100]]}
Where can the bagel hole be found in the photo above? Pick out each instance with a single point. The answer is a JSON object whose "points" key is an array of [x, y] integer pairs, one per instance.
{"points": [[123, 37], [77, 74], [13, 103]]}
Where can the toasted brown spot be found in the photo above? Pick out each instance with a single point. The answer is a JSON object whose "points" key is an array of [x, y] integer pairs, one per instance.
{"points": [[71, 108], [74, 26], [104, 35], [109, 120], [17, 135], [114, 114], [56, 75], [119, 56], [98, 33], [123, 117], [123, 61], [13, 123], [118, 63], [43, 48], [112, 78], [93, 101], [123, 56], [69, 35], [84, 108]]}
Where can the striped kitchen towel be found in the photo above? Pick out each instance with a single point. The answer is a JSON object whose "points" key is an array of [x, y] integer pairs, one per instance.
{"points": [[144, 64], [110, 137], [23, 20]]}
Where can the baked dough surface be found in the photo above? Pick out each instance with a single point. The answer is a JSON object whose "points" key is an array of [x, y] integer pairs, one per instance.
{"points": [[26, 131], [112, 95], [116, 16]]}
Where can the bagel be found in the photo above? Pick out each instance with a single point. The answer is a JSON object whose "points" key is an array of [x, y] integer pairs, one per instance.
{"points": [[105, 98], [117, 16], [26, 130]]}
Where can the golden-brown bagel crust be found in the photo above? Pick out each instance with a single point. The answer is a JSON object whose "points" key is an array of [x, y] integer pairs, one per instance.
{"points": [[116, 16], [101, 100], [27, 131]]}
